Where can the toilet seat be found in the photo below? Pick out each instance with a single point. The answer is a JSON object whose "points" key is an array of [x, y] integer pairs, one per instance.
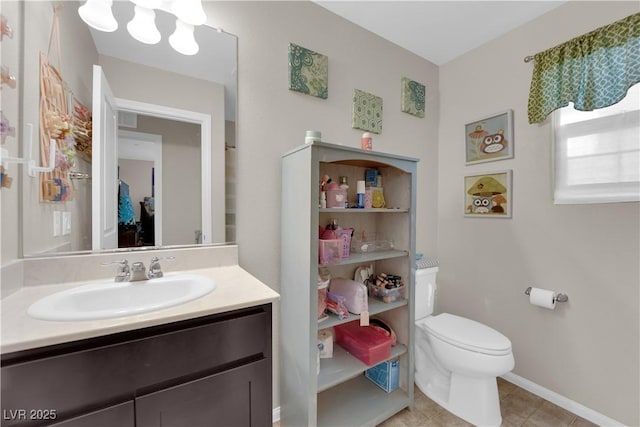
{"points": [[466, 334]]}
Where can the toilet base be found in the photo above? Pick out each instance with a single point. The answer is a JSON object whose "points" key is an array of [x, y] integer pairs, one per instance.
{"points": [[473, 399]]}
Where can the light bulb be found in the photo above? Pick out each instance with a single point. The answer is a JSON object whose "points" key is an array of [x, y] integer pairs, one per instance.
{"points": [[97, 14], [143, 26], [182, 39], [189, 11]]}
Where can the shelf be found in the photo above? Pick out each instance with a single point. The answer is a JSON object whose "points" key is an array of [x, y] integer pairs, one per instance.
{"points": [[359, 402], [343, 366], [375, 306], [357, 258], [357, 210], [340, 395]]}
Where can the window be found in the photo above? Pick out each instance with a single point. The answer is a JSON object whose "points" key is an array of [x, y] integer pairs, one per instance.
{"points": [[597, 153]]}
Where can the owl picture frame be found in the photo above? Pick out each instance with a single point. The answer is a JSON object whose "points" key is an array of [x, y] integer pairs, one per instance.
{"points": [[490, 138], [488, 194]]}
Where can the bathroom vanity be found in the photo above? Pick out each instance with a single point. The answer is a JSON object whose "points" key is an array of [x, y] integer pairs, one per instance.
{"points": [[212, 370], [205, 362]]}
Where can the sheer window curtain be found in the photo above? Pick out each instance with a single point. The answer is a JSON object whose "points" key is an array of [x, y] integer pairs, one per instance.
{"points": [[597, 154]]}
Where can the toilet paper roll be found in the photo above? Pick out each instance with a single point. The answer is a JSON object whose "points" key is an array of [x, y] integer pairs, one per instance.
{"points": [[542, 298]]}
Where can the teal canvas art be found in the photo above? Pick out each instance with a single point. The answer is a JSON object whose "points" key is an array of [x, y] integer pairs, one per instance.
{"points": [[367, 112], [308, 71], [413, 95]]}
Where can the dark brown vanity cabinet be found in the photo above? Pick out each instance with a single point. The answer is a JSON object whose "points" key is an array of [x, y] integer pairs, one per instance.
{"points": [[208, 371]]}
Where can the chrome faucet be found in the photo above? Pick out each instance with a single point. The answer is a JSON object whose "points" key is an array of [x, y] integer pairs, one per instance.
{"points": [[155, 269], [138, 272], [124, 272]]}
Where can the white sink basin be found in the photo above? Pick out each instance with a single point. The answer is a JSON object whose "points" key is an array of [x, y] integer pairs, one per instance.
{"points": [[106, 300]]}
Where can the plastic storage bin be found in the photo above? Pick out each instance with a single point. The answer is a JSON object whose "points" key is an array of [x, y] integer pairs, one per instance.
{"points": [[336, 198], [386, 295], [365, 246], [329, 251], [385, 375], [363, 342]]}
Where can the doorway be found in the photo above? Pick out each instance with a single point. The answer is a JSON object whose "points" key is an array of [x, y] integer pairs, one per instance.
{"points": [[140, 197]]}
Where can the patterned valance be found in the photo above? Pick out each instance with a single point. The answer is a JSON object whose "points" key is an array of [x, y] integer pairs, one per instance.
{"points": [[592, 71]]}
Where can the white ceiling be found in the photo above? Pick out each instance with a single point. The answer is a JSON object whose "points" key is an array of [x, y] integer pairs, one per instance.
{"points": [[439, 31]]}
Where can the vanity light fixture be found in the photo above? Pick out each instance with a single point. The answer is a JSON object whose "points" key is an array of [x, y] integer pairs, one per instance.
{"points": [[143, 26], [97, 14], [182, 39], [189, 14]]}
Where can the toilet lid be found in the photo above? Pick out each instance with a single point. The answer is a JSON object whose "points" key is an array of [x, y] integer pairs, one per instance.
{"points": [[467, 334]]}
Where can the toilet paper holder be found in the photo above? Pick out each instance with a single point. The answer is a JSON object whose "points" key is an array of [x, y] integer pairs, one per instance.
{"points": [[557, 298]]}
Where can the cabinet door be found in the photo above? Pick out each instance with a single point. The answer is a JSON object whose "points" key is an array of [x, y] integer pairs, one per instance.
{"points": [[238, 397], [118, 415]]}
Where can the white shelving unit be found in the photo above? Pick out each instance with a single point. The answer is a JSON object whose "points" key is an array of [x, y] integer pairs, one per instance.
{"points": [[339, 394]]}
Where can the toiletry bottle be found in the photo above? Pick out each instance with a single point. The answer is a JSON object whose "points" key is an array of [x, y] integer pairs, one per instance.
{"points": [[330, 230], [344, 186], [366, 143], [323, 199], [360, 190]]}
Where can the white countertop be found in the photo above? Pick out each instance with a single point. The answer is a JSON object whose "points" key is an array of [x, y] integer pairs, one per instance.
{"points": [[235, 289]]}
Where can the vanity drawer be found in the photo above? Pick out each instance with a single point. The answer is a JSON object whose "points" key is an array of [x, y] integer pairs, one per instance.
{"points": [[236, 397], [89, 375]]}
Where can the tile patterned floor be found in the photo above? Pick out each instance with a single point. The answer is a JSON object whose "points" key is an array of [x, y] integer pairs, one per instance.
{"points": [[519, 409]]}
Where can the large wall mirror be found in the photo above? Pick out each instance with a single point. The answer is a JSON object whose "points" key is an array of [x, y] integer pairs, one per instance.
{"points": [[169, 178]]}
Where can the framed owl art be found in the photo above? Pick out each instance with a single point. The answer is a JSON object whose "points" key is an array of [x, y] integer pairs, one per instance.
{"points": [[488, 195], [490, 138]]}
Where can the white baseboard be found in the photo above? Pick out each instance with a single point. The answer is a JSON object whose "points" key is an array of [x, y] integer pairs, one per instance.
{"points": [[561, 401], [276, 414]]}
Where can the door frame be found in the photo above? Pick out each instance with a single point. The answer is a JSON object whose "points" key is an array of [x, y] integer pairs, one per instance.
{"points": [[204, 120], [154, 154]]}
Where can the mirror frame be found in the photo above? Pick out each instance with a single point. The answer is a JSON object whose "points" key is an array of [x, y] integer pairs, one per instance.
{"points": [[206, 195]]}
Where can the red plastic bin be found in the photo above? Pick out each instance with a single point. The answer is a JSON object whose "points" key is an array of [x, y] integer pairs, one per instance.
{"points": [[365, 343]]}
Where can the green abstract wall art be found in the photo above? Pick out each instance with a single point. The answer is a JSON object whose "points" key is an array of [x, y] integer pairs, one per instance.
{"points": [[308, 71], [367, 112], [413, 96]]}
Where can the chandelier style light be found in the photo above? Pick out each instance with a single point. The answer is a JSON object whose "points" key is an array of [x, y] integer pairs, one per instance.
{"points": [[189, 13]]}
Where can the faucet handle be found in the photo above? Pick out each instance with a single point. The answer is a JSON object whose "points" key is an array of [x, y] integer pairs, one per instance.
{"points": [[124, 271], [155, 269]]}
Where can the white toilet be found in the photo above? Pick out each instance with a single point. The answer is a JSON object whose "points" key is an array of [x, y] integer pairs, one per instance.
{"points": [[457, 360]]}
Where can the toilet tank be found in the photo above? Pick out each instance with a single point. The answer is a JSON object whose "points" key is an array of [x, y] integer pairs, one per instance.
{"points": [[425, 292]]}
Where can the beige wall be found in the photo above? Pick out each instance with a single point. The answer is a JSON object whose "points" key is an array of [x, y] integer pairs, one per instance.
{"points": [[181, 178], [587, 349], [272, 119]]}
